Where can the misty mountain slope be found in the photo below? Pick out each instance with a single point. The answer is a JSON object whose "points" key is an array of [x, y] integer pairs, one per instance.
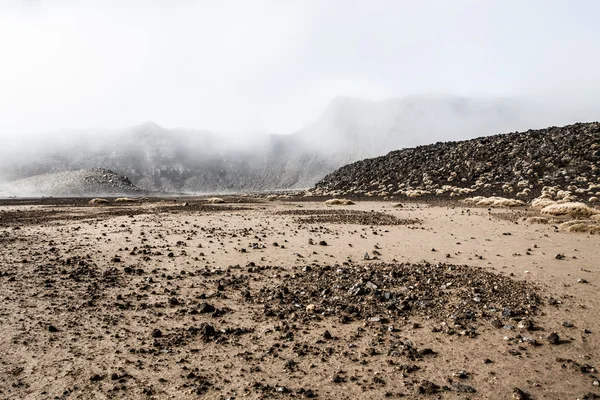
{"points": [[195, 161], [92, 182], [382, 126], [511, 165]]}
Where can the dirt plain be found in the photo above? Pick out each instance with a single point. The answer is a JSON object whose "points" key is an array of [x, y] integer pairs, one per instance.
{"points": [[166, 299]]}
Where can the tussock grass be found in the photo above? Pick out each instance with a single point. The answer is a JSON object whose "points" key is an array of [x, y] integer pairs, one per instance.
{"points": [[494, 201], [582, 226], [339, 202], [98, 201], [542, 202], [575, 210], [537, 220], [215, 200]]}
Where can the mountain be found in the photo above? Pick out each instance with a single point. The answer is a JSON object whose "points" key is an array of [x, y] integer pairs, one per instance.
{"points": [[519, 164], [196, 161]]}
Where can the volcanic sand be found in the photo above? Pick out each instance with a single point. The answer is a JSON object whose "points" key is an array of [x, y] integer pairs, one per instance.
{"points": [[164, 300]]}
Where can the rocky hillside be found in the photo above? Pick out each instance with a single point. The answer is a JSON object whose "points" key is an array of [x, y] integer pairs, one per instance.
{"points": [[196, 161], [93, 182], [510, 165]]}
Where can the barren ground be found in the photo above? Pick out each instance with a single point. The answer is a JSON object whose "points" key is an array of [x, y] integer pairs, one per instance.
{"points": [[278, 300]]}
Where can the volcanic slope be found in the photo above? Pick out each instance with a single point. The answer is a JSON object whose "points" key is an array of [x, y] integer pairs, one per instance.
{"points": [[516, 164], [85, 182]]}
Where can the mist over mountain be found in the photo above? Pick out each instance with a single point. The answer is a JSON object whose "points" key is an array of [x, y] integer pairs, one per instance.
{"points": [[197, 161]]}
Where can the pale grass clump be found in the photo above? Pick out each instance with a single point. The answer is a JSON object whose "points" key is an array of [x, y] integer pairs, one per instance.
{"points": [[339, 202], [215, 200], [126, 200], [542, 202], [537, 220], [583, 226], [574, 210], [98, 201], [494, 201]]}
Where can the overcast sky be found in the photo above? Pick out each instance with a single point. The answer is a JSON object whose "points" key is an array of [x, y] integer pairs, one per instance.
{"points": [[254, 65]]}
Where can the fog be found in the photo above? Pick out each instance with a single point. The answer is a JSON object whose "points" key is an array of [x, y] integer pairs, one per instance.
{"points": [[272, 66], [223, 81]]}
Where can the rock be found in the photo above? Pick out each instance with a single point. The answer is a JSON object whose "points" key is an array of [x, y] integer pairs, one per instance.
{"points": [[496, 323], [322, 243], [207, 331], [460, 388], [52, 328], [428, 388], [460, 374], [205, 308], [525, 324], [590, 396], [327, 335], [553, 338], [157, 333], [518, 394]]}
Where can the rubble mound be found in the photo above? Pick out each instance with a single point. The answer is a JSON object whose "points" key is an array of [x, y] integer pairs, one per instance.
{"points": [[347, 217], [457, 295], [514, 165], [85, 182]]}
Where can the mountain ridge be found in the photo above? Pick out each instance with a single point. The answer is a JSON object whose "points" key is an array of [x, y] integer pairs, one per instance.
{"points": [[195, 161]]}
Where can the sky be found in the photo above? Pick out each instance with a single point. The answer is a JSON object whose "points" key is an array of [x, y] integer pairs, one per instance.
{"points": [[273, 66]]}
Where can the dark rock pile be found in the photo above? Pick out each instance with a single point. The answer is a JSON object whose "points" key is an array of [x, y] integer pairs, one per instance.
{"points": [[456, 295], [508, 165], [346, 217]]}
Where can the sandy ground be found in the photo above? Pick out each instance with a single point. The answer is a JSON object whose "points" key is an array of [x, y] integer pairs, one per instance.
{"points": [[277, 300]]}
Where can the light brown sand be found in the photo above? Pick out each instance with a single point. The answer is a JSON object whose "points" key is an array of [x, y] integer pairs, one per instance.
{"points": [[105, 316]]}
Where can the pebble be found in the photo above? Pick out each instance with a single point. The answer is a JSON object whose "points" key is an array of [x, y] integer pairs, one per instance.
{"points": [[525, 324], [518, 394], [553, 338], [156, 333]]}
